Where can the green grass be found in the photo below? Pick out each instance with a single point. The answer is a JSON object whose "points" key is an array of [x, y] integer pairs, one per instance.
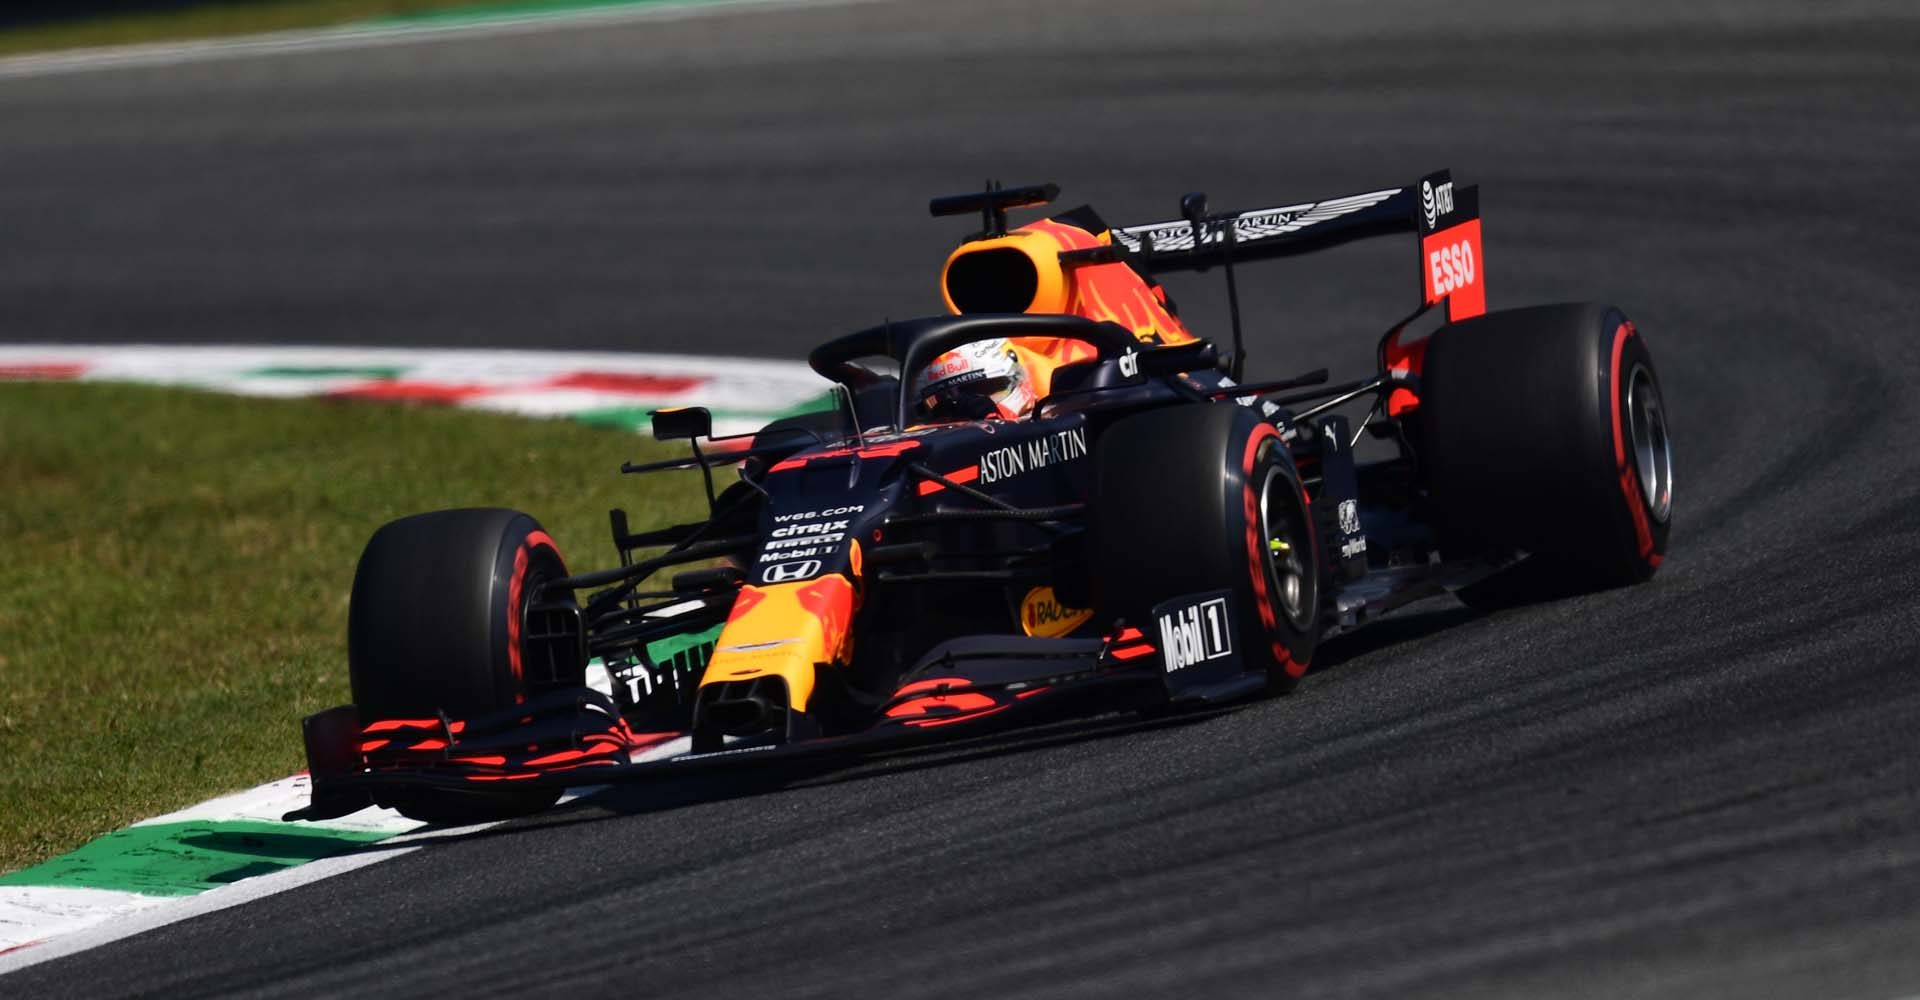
{"points": [[178, 571], [212, 20]]}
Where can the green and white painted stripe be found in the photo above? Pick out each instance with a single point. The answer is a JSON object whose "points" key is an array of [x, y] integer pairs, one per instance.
{"points": [[208, 857], [604, 388], [183, 854]]}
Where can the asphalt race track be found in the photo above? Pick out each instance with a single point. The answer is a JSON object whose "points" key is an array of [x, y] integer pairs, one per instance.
{"points": [[1703, 787]]}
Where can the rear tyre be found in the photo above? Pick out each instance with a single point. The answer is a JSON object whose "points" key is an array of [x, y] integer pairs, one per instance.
{"points": [[1543, 430], [435, 625], [1202, 498]]}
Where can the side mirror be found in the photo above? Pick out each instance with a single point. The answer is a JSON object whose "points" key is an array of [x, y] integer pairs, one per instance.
{"points": [[682, 423], [1200, 355]]}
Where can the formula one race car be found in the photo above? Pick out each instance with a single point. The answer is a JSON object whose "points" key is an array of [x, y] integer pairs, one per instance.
{"points": [[1053, 500]]}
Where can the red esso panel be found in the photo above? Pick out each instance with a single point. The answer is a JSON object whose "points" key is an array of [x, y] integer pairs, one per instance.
{"points": [[1452, 268]]}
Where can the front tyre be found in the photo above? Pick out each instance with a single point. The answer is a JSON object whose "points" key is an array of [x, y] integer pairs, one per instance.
{"points": [[1202, 498], [436, 625]]}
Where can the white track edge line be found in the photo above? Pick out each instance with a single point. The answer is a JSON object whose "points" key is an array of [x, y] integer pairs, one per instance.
{"points": [[172, 910]]}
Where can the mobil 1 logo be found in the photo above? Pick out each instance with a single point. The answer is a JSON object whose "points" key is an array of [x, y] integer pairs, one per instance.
{"points": [[1195, 635], [805, 535]]}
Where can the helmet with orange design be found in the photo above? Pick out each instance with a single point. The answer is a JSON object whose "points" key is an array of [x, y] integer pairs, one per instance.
{"points": [[977, 381]]}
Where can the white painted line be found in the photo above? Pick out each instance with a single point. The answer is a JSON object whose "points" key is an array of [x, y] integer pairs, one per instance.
{"points": [[744, 392], [77, 934], [45, 923], [164, 362], [32, 914], [39, 923], [267, 803], [358, 36]]}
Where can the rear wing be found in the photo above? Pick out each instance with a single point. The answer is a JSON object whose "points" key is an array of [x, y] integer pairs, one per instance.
{"points": [[1446, 217]]}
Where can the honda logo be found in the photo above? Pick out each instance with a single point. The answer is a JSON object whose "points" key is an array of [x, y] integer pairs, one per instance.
{"points": [[789, 572]]}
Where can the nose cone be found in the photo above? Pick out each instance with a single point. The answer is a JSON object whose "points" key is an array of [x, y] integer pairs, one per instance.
{"points": [[784, 630]]}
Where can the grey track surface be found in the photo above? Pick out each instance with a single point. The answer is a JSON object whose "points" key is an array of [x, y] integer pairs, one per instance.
{"points": [[1703, 787]]}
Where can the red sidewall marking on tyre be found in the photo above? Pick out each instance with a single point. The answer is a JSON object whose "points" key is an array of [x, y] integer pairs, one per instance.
{"points": [[1256, 560], [514, 586], [1628, 476], [1298, 668]]}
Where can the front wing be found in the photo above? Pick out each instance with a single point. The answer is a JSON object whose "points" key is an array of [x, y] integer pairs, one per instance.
{"points": [[577, 737]]}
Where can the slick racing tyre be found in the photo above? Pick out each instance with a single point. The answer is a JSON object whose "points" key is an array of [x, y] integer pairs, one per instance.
{"points": [[1202, 498], [435, 625], [1542, 430]]}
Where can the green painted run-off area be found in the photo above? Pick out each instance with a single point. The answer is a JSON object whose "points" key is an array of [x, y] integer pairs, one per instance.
{"points": [[182, 859]]}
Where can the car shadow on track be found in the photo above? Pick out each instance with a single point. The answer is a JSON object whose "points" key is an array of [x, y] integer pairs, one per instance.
{"points": [[1394, 633], [642, 799], [669, 794]]}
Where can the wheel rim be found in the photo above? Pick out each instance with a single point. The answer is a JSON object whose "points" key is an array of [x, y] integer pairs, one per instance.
{"points": [[1652, 451], [543, 564], [1283, 534]]}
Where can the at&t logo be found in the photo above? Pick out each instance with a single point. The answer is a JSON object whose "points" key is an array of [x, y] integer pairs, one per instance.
{"points": [[1435, 202]]}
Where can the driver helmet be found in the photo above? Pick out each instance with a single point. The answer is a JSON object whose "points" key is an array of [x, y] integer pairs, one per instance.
{"points": [[976, 381]]}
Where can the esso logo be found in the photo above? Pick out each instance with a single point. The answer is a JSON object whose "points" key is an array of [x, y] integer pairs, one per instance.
{"points": [[1450, 267]]}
